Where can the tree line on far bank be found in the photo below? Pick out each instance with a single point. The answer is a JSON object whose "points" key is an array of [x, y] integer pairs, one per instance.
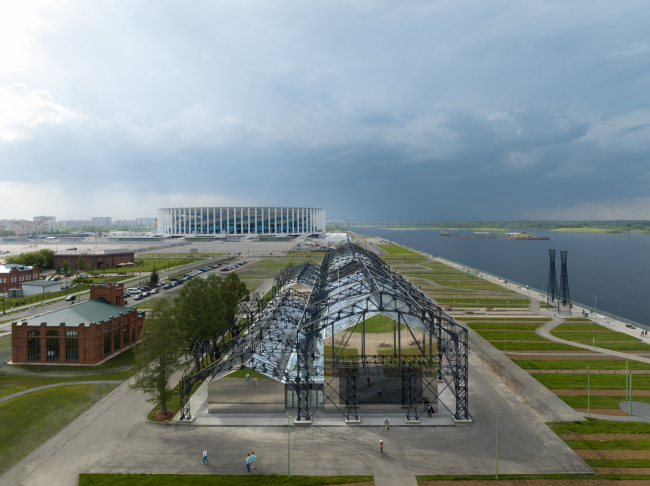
{"points": [[204, 309], [44, 258]]}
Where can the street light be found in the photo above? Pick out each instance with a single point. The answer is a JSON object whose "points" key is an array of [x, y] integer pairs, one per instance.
{"points": [[496, 451], [288, 445], [588, 410]]}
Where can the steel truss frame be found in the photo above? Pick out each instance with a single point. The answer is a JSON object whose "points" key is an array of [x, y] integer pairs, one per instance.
{"points": [[351, 284]]}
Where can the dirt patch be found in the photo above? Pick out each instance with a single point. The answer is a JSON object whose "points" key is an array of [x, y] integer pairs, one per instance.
{"points": [[161, 416], [612, 454], [540, 482], [622, 470], [615, 412], [551, 357], [600, 393], [605, 437]]}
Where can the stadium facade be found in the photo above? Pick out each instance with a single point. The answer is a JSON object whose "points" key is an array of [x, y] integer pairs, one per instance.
{"points": [[240, 221]]}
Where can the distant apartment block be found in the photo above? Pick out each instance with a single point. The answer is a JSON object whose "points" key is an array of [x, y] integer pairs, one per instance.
{"points": [[101, 221]]}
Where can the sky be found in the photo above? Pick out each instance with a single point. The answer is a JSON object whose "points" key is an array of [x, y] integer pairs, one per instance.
{"points": [[374, 110]]}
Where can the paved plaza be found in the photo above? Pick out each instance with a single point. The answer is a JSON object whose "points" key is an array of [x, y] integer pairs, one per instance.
{"points": [[115, 437]]}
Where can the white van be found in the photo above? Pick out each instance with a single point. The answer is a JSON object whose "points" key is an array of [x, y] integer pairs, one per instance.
{"points": [[132, 290]]}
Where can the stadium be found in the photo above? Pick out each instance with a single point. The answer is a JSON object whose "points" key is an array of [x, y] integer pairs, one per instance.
{"points": [[240, 221]]}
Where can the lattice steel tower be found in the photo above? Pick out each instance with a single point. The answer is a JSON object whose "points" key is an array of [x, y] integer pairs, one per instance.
{"points": [[564, 300], [552, 295]]}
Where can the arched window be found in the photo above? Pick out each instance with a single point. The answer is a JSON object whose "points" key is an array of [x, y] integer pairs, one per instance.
{"points": [[52, 333], [72, 333], [34, 333]]}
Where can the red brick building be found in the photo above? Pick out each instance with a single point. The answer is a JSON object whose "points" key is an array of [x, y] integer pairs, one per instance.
{"points": [[86, 333], [12, 276], [93, 258]]}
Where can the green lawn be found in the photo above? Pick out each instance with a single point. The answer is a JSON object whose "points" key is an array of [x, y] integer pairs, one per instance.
{"points": [[378, 324], [267, 268], [397, 250], [10, 384], [214, 479], [580, 327], [596, 381], [5, 342], [242, 374], [580, 401], [512, 335], [541, 346], [348, 351], [251, 284], [501, 325], [578, 364], [597, 426], [30, 420], [586, 337], [635, 445]]}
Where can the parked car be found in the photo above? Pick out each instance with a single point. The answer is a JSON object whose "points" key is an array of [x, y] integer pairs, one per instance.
{"points": [[70, 298], [55, 279], [167, 286], [145, 288], [174, 283], [145, 294], [137, 297], [155, 291], [173, 279]]}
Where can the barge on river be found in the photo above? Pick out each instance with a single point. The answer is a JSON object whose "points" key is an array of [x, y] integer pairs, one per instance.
{"points": [[513, 237]]}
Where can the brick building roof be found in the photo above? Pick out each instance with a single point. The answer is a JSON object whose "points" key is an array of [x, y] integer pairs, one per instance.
{"points": [[84, 314], [94, 252]]}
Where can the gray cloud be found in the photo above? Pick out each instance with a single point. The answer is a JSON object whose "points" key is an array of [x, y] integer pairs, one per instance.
{"points": [[374, 110]]}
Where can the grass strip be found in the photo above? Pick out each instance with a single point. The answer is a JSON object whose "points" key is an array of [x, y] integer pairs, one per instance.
{"points": [[5, 342], [378, 324], [598, 426], [633, 445], [30, 420], [579, 364], [586, 336], [397, 250], [521, 477], [496, 325], [512, 335], [540, 346], [580, 401], [618, 462], [597, 381], [214, 480]]}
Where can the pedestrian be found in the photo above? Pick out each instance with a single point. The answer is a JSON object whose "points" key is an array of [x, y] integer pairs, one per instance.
{"points": [[381, 448], [379, 393], [255, 382], [387, 423], [248, 462], [205, 457], [253, 460], [428, 410], [368, 380], [248, 378]]}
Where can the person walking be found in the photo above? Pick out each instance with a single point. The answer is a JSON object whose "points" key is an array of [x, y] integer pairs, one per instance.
{"points": [[368, 380], [248, 462], [379, 393], [253, 460], [248, 378], [387, 423], [429, 413], [205, 457], [381, 448]]}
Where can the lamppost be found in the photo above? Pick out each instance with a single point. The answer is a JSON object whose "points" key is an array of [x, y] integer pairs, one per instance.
{"points": [[496, 451], [588, 402], [288, 445]]}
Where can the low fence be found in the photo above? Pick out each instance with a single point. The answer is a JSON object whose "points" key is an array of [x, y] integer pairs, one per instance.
{"points": [[589, 308]]}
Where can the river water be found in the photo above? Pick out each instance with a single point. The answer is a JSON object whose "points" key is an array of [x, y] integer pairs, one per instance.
{"points": [[613, 268]]}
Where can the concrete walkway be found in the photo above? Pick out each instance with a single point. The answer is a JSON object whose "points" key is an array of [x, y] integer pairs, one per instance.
{"points": [[130, 444], [545, 332], [66, 383]]}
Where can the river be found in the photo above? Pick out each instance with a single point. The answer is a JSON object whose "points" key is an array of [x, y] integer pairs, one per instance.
{"points": [[613, 268]]}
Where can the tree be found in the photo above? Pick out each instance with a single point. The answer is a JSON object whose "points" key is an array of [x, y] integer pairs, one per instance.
{"points": [[153, 278], [233, 292], [160, 353], [199, 310], [42, 258], [66, 268], [80, 263]]}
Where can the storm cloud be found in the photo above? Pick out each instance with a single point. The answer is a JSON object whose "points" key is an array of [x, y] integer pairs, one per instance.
{"points": [[413, 111]]}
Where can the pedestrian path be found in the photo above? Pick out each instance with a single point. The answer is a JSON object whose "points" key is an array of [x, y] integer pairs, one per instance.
{"points": [[65, 383], [545, 332]]}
